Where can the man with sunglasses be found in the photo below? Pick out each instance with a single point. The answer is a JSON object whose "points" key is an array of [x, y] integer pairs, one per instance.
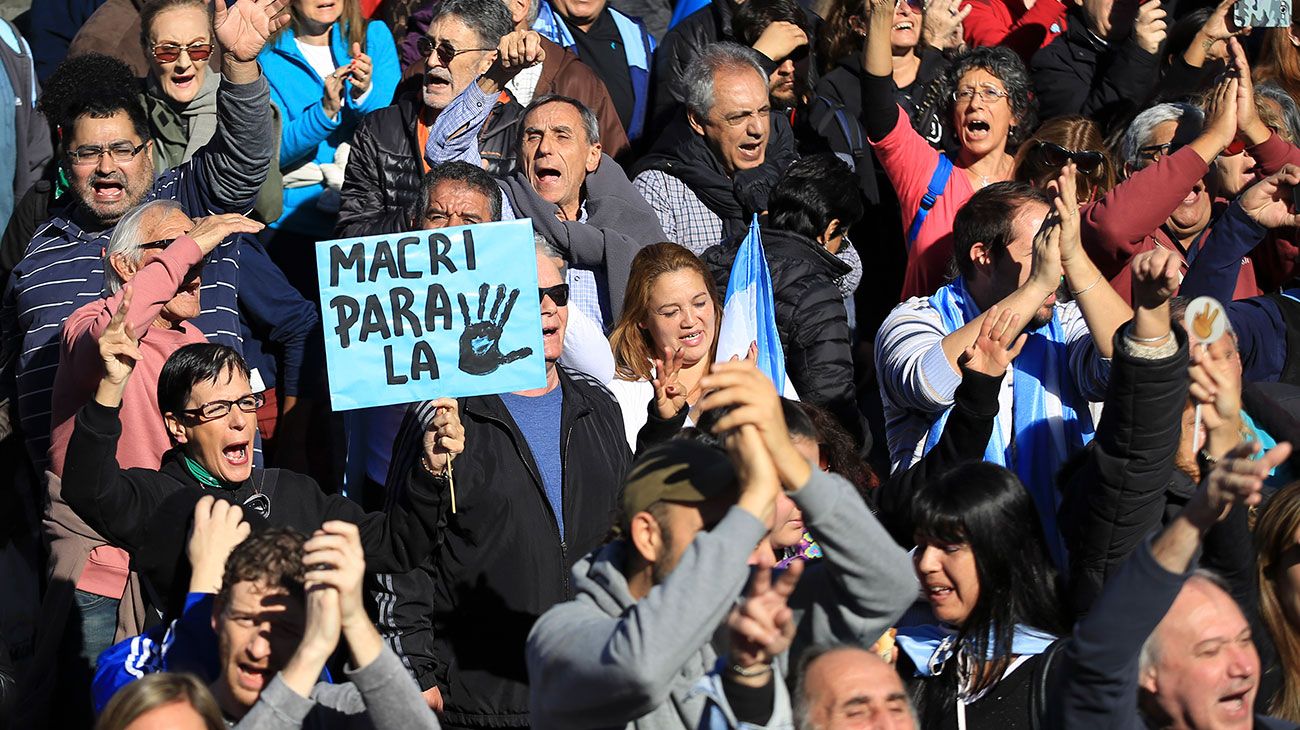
{"points": [[535, 489], [394, 147]]}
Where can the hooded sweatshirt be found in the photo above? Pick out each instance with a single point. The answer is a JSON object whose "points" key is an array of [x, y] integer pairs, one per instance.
{"points": [[607, 660]]}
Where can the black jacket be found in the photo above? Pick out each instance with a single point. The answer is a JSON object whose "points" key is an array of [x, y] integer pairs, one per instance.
{"points": [[1078, 74], [381, 187], [148, 512], [810, 318], [499, 562]]}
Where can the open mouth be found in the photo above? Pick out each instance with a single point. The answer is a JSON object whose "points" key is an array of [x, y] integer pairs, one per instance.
{"points": [[251, 678], [977, 128], [750, 150], [938, 592], [436, 81], [183, 81], [546, 175], [1235, 703], [236, 454], [548, 332], [108, 190], [693, 338], [905, 25]]}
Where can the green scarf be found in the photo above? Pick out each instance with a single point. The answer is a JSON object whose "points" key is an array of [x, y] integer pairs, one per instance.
{"points": [[203, 476]]}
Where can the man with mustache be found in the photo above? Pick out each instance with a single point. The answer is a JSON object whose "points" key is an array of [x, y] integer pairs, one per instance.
{"points": [[394, 147]]}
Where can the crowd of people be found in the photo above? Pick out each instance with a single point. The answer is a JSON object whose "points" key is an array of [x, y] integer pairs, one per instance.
{"points": [[1025, 462]]}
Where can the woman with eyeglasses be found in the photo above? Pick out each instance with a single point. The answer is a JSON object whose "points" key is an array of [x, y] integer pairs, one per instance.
{"points": [[990, 110], [1058, 143], [664, 341], [180, 92], [994, 599], [327, 69]]}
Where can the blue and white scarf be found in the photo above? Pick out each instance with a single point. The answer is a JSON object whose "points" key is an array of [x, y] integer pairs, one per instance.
{"points": [[930, 646], [1050, 420]]}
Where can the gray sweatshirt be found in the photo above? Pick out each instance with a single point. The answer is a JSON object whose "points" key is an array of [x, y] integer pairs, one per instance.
{"points": [[379, 695], [238, 156], [606, 660]]}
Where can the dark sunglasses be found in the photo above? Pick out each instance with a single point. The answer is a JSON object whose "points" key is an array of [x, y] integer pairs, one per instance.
{"points": [[168, 52], [558, 294], [446, 52], [159, 244], [1054, 155]]}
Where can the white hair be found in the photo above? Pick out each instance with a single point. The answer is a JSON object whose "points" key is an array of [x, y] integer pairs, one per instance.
{"points": [[127, 236]]}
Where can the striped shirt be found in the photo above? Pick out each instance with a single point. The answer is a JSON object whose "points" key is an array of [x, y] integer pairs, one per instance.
{"points": [[917, 383], [63, 269]]}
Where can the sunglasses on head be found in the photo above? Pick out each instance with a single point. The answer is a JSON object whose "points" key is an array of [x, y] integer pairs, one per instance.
{"points": [[1054, 155], [558, 294], [168, 52]]}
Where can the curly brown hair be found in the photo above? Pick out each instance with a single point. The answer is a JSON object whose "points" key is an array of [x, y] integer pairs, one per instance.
{"points": [[272, 557]]}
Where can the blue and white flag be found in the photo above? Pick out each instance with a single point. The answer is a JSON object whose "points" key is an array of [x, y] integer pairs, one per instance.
{"points": [[749, 312]]}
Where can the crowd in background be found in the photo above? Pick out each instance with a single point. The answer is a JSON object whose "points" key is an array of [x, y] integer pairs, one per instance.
{"points": [[1023, 459]]}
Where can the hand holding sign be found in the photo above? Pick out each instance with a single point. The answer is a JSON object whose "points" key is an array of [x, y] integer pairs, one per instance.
{"points": [[480, 343]]}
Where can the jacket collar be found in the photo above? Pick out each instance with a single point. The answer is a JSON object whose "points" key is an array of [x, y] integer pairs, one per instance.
{"points": [[285, 45]]}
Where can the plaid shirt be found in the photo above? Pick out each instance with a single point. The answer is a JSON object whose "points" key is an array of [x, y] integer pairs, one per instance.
{"points": [[684, 217]]}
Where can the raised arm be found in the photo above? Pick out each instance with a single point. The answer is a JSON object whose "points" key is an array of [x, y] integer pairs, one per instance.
{"points": [[236, 160]]}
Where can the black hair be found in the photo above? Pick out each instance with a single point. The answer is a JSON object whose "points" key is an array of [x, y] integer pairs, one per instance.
{"points": [[462, 172], [193, 364], [93, 85], [989, 217], [753, 17], [986, 507], [797, 422], [812, 192], [1183, 32], [1003, 63], [840, 450]]}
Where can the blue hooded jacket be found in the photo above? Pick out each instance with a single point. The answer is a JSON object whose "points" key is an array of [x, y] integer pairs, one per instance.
{"points": [[306, 134]]}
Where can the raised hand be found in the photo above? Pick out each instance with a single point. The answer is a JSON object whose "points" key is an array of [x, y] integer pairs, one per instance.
{"points": [[779, 40], [444, 437], [1156, 276], [943, 23], [218, 527], [752, 401], [119, 349], [243, 30], [1066, 206], [210, 231], [1149, 27], [755, 471], [333, 557], [1269, 201], [1215, 384], [519, 50], [1236, 479], [1249, 126], [1209, 40], [1221, 113], [332, 100], [762, 627], [480, 343], [361, 71], [670, 395], [998, 343], [1045, 265]]}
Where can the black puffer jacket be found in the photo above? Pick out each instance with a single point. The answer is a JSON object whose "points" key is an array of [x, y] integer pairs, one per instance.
{"points": [[462, 619], [810, 318], [382, 184]]}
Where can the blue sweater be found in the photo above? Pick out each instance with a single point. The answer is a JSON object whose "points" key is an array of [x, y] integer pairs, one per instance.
{"points": [[306, 134]]}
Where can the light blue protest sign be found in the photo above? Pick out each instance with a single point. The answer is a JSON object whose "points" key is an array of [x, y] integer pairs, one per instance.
{"points": [[429, 314]]}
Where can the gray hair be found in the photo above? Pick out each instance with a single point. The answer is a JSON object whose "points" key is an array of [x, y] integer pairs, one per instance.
{"points": [[802, 711], [127, 237], [1290, 112], [488, 18], [534, 7], [1139, 131], [544, 247], [590, 124], [1151, 648], [699, 77]]}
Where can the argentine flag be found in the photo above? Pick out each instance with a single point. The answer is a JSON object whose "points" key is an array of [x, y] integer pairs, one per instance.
{"points": [[749, 313]]}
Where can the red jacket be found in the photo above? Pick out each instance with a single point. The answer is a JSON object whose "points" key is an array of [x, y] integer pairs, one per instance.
{"points": [[1007, 23], [1130, 218]]}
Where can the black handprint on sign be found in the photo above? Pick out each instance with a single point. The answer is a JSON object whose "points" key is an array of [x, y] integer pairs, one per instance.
{"points": [[480, 343]]}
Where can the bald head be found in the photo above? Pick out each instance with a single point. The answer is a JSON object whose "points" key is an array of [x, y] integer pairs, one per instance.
{"points": [[850, 688], [1200, 668]]}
